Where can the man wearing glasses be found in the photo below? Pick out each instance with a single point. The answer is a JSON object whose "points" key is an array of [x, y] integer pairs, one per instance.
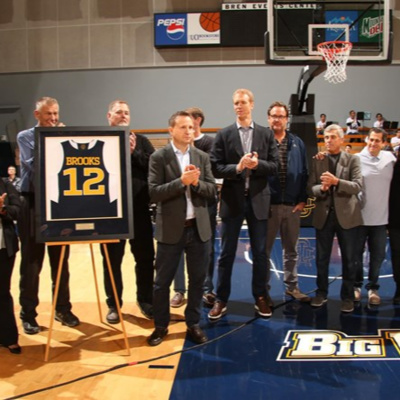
{"points": [[288, 196], [244, 155]]}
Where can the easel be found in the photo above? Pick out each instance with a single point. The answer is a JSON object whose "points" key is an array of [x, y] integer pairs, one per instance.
{"points": [[57, 286]]}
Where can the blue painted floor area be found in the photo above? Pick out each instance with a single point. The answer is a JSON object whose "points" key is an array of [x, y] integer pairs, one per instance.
{"points": [[299, 351]]}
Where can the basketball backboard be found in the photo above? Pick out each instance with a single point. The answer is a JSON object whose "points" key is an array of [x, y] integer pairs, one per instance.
{"points": [[295, 28]]}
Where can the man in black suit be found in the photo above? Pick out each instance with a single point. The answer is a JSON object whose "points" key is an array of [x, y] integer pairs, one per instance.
{"points": [[244, 155], [181, 183], [141, 245]]}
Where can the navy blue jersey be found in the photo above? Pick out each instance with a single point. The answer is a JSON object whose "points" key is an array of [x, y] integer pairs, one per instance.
{"points": [[83, 183]]}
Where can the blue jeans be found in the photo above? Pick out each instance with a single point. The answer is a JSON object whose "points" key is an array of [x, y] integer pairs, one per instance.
{"points": [[347, 242], [376, 237], [230, 231], [167, 261]]}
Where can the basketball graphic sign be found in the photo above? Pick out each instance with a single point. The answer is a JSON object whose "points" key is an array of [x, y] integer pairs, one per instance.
{"points": [[186, 29], [210, 22]]}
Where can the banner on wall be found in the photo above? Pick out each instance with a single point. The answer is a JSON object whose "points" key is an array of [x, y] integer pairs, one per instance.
{"points": [[186, 29]]}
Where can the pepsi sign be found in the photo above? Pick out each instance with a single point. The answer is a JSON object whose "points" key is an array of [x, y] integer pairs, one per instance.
{"points": [[170, 29], [190, 29]]}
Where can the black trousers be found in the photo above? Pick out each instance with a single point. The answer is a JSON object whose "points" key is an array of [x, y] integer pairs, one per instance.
{"points": [[32, 256], [8, 331], [142, 248]]}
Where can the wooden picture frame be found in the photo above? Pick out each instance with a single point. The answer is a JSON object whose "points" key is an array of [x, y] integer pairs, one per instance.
{"points": [[83, 184]]}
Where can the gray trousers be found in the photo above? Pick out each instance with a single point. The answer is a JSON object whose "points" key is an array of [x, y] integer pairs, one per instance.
{"points": [[287, 223]]}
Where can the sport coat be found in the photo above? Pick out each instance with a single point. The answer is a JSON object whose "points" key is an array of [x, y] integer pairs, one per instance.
{"points": [[226, 154], [167, 190], [347, 204]]}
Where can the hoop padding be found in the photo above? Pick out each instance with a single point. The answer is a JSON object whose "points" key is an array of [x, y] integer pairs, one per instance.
{"points": [[336, 55]]}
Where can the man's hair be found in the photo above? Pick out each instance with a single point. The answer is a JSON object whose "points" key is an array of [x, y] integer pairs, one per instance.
{"points": [[12, 166], [113, 103], [322, 115], [378, 131], [244, 91], [379, 114], [174, 116], [45, 101], [349, 145], [278, 104], [196, 112], [335, 127]]}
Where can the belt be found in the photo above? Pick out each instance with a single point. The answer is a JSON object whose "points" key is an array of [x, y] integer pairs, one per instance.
{"points": [[190, 222]]}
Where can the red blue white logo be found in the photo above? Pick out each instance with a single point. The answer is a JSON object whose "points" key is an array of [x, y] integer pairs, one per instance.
{"points": [[175, 31], [170, 29]]}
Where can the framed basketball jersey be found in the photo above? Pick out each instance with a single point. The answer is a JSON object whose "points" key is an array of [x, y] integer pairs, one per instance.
{"points": [[83, 184]]}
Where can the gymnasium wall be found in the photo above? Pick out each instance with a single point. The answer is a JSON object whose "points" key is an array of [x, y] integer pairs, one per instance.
{"points": [[155, 93], [89, 52]]}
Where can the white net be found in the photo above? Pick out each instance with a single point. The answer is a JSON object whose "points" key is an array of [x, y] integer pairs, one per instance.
{"points": [[336, 55]]}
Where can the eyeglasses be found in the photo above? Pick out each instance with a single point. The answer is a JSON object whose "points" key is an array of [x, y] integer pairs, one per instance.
{"points": [[278, 116]]}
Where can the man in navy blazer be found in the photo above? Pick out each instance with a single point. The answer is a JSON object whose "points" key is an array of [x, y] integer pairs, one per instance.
{"points": [[244, 155], [181, 183]]}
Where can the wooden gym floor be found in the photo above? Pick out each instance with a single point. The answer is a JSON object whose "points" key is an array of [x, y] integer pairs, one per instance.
{"points": [[299, 351]]}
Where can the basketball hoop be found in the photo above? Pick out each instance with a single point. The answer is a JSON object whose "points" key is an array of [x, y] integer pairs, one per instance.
{"points": [[336, 55]]}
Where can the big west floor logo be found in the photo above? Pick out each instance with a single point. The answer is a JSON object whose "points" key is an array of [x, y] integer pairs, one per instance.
{"points": [[337, 346]]}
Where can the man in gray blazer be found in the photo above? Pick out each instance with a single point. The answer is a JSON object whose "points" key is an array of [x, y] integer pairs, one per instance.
{"points": [[181, 183], [244, 155], [335, 181]]}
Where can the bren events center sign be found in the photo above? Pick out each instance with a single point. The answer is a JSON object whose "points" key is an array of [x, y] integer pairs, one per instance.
{"points": [[194, 29]]}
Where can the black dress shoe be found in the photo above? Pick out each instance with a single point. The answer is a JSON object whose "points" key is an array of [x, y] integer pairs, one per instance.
{"points": [[112, 316], [157, 336], [30, 327], [197, 334], [67, 319], [146, 309], [14, 348]]}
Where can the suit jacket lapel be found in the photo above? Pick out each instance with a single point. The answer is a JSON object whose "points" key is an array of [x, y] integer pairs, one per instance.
{"points": [[255, 144], [339, 166], [236, 142], [194, 157], [172, 161]]}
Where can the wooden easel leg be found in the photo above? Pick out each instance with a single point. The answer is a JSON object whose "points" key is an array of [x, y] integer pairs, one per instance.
{"points": [[116, 297], [95, 281], [55, 296]]}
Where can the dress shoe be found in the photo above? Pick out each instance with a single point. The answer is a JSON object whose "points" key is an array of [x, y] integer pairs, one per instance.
{"points": [[218, 310], [146, 309], [373, 297], [67, 319], [178, 300], [157, 336], [13, 348], [357, 294], [347, 306], [112, 316], [318, 300], [209, 299], [30, 327], [262, 307], [197, 334], [296, 294]]}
